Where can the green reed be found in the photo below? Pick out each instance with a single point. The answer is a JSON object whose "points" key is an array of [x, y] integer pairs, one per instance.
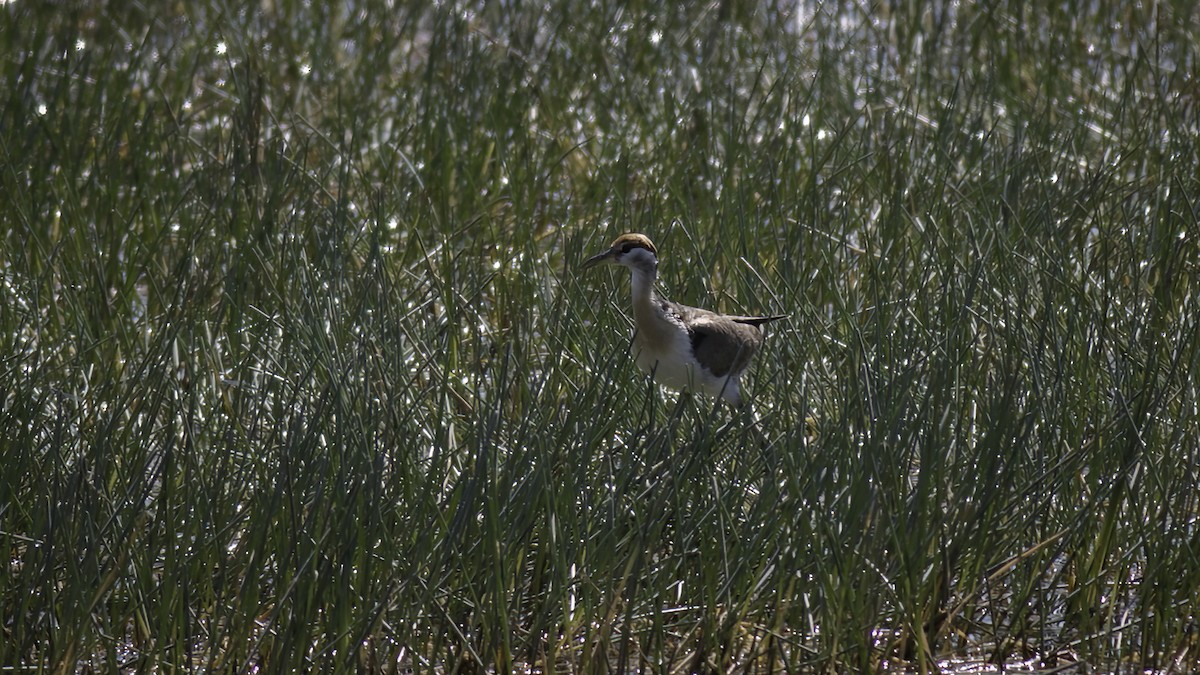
{"points": [[299, 371]]}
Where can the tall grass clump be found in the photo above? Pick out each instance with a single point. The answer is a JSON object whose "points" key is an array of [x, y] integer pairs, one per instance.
{"points": [[298, 371]]}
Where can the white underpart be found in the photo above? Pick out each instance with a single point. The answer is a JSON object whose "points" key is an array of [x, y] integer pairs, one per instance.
{"points": [[677, 373]]}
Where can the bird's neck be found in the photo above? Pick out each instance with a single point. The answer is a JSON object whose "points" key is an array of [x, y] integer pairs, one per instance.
{"points": [[642, 285], [645, 303]]}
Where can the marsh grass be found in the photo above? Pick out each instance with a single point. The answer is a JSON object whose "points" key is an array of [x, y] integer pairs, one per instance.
{"points": [[299, 372]]}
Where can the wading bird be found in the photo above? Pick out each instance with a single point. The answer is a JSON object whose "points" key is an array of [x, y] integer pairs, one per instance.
{"points": [[682, 347]]}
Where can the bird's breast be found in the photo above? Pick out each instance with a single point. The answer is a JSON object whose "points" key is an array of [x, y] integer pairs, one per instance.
{"points": [[672, 365]]}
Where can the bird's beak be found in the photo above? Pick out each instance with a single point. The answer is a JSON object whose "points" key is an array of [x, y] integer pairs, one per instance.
{"points": [[608, 256]]}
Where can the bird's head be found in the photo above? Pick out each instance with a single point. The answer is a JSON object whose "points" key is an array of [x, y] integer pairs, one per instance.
{"points": [[632, 250]]}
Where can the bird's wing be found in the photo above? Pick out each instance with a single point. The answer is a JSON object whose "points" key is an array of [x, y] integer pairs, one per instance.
{"points": [[720, 344], [757, 320]]}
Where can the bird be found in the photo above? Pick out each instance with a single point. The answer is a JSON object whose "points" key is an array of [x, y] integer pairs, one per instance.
{"points": [[682, 347]]}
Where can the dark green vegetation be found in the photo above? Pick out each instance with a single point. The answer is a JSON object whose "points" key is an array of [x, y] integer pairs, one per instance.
{"points": [[297, 371]]}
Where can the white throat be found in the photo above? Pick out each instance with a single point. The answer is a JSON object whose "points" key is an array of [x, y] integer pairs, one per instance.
{"points": [[642, 284]]}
